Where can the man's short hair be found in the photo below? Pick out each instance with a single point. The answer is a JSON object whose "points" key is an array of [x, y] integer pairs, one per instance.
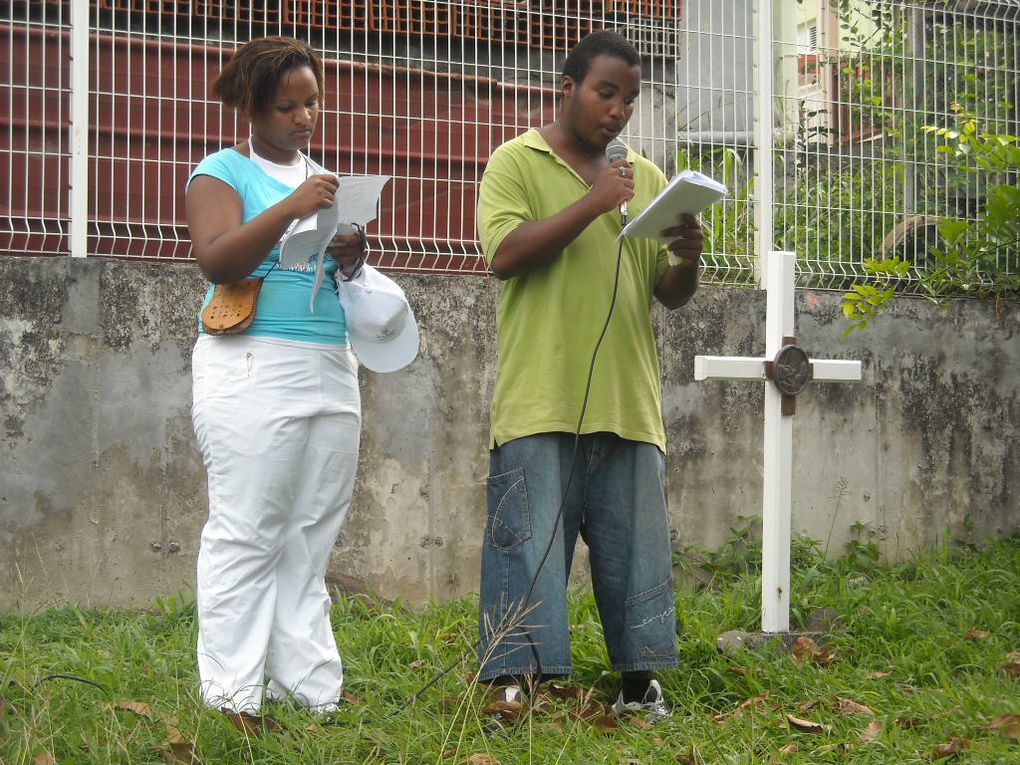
{"points": [[603, 43]]}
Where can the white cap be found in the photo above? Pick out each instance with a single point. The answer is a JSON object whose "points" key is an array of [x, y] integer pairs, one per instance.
{"points": [[380, 323]]}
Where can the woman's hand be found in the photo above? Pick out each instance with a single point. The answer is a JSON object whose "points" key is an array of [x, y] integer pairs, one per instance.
{"points": [[314, 194], [349, 251]]}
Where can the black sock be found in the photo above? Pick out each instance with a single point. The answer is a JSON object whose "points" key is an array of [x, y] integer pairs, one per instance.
{"points": [[635, 685]]}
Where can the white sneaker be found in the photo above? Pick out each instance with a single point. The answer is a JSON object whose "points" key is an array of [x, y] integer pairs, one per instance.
{"points": [[653, 705]]}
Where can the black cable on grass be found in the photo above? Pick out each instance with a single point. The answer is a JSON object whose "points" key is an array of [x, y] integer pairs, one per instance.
{"points": [[72, 677]]}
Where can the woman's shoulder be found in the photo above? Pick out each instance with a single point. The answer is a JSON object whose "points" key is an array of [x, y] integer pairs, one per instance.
{"points": [[225, 158], [228, 165]]}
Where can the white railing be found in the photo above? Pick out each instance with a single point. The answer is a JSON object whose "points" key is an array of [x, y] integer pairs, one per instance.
{"points": [[424, 89]]}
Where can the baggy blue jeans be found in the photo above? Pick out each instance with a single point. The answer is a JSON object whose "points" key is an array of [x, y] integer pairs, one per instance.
{"points": [[616, 501]]}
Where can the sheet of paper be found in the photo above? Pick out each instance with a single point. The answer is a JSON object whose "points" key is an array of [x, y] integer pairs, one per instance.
{"points": [[356, 201], [688, 192]]}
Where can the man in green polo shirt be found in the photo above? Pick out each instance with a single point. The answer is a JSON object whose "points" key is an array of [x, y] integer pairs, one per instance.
{"points": [[549, 219]]}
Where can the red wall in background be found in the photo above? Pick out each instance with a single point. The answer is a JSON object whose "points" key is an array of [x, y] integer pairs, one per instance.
{"points": [[150, 123]]}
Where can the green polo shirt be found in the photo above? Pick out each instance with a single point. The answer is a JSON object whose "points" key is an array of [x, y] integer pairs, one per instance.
{"points": [[549, 320]]}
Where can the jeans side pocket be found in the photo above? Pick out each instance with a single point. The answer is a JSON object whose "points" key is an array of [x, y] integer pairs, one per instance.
{"points": [[651, 620], [509, 522]]}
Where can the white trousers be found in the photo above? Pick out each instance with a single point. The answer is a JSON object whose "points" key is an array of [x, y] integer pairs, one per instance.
{"points": [[279, 426]]}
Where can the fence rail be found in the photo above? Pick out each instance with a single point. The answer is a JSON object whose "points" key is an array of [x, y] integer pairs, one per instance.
{"points": [[423, 90]]}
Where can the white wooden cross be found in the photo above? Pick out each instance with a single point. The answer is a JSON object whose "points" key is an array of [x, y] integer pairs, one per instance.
{"points": [[786, 369]]}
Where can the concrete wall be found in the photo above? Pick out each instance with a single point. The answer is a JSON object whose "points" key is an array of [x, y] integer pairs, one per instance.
{"points": [[102, 491]]}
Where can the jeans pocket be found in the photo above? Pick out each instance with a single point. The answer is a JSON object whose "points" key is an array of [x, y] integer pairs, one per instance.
{"points": [[509, 521], [651, 621]]}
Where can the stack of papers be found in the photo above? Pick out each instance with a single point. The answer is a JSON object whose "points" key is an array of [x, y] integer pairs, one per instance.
{"points": [[356, 201], [688, 192]]}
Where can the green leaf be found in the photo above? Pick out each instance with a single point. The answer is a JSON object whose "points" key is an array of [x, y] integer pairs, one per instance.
{"points": [[952, 229]]}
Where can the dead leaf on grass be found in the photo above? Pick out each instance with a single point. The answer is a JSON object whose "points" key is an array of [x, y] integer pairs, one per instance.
{"points": [[416, 664], [851, 707], [180, 753], [976, 634], [738, 671], [350, 698], [804, 648], [587, 711], [45, 758], [790, 748], [449, 704], [595, 714], [752, 703], [482, 759], [506, 711], [691, 758], [252, 725], [875, 675], [563, 691], [1007, 725], [138, 707], [906, 722], [808, 726], [872, 732], [1012, 664], [828, 656], [177, 750], [172, 732], [951, 748]]}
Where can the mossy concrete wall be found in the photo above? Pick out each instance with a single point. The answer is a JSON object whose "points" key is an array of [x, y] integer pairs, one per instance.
{"points": [[102, 490]]}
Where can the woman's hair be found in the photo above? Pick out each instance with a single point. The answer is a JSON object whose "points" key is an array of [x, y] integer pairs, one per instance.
{"points": [[605, 42], [250, 78]]}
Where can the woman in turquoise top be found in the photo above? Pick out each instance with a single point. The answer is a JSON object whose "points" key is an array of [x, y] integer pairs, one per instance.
{"points": [[276, 409]]}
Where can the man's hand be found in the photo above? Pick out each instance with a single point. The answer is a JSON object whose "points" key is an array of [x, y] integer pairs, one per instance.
{"points": [[680, 282], [688, 240], [613, 186]]}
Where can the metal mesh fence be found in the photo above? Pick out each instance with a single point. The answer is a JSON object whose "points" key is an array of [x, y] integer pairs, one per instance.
{"points": [[860, 174], [423, 90]]}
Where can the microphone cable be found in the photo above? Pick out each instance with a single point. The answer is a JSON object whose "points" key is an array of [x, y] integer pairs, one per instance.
{"points": [[559, 512]]}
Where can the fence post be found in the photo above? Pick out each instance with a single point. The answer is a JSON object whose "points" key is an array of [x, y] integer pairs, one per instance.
{"points": [[79, 134], [764, 193]]}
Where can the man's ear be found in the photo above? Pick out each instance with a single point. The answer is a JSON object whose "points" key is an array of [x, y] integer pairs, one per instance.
{"points": [[567, 85]]}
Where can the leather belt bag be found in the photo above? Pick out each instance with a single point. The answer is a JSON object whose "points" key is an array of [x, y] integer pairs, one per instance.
{"points": [[232, 307]]}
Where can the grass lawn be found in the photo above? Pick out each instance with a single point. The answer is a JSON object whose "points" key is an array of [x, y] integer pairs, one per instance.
{"points": [[925, 666]]}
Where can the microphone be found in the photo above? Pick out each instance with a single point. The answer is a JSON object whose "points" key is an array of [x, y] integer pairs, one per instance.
{"points": [[614, 151]]}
